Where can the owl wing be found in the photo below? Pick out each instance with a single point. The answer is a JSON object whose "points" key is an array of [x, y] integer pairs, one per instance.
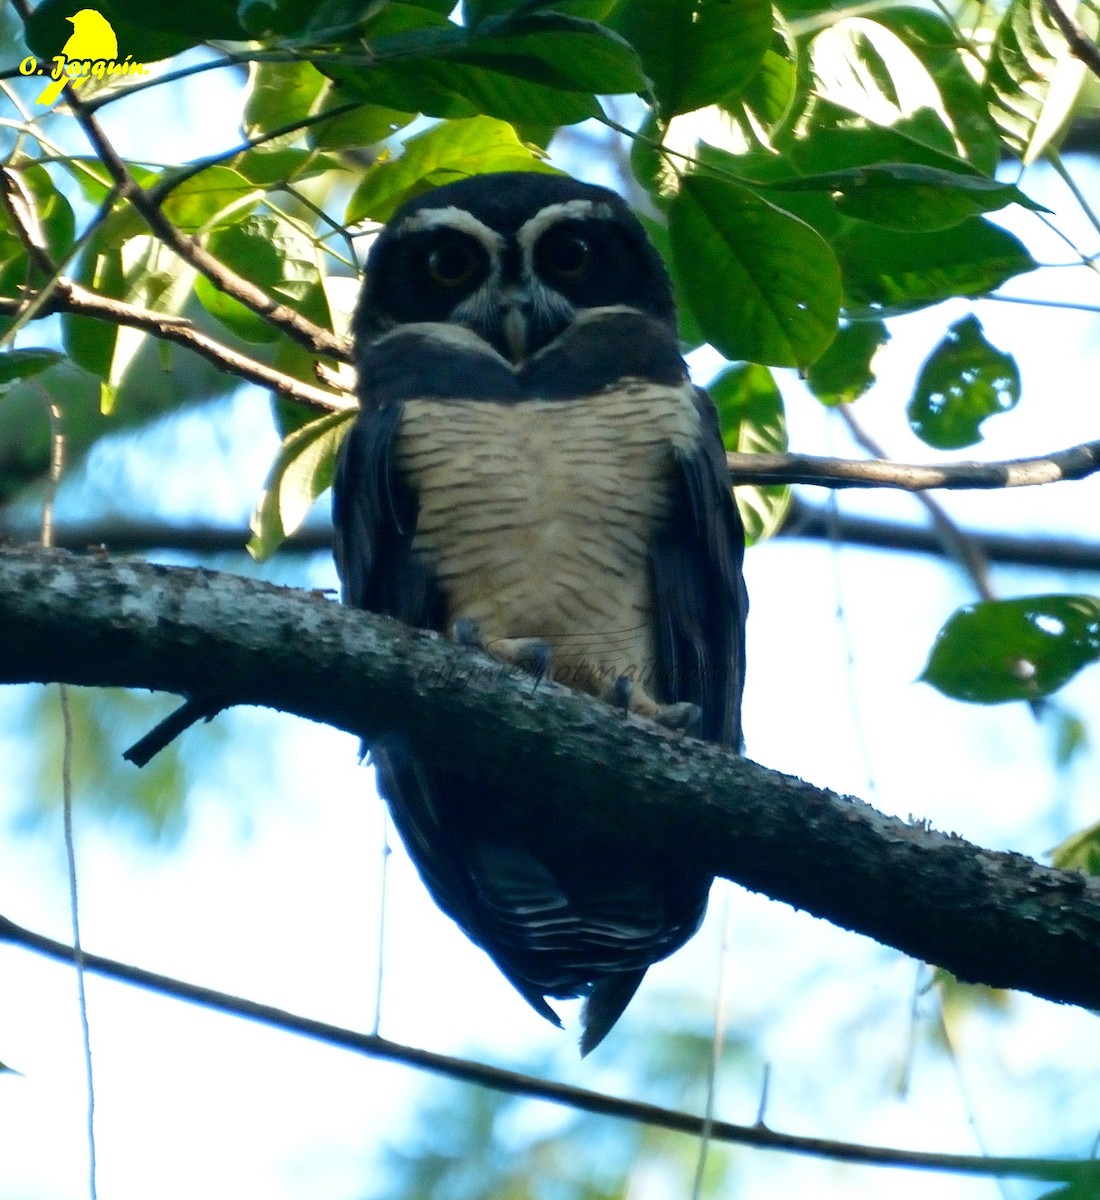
{"points": [[700, 602], [559, 918], [374, 521]]}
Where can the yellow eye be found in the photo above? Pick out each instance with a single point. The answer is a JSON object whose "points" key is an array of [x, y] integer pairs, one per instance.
{"points": [[453, 264], [566, 255]]}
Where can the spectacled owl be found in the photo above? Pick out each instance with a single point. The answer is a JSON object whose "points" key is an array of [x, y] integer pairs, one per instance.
{"points": [[532, 472]]}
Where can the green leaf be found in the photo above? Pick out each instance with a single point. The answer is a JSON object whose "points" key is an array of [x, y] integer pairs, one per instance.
{"points": [[214, 196], [476, 11], [752, 420], [1000, 650], [555, 50], [689, 333], [1079, 852], [911, 196], [1085, 1187], [762, 284], [141, 271], [50, 212], [145, 32], [437, 87], [279, 94], [828, 147], [945, 56], [362, 126], [843, 373], [272, 168], [209, 21], [22, 364], [105, 721], [696, 52], [449, 151], [301, 472], [255, 251], [862, 67], [1031, 80], [769, 96], [889, 272], [538, 69], [963, 381]]}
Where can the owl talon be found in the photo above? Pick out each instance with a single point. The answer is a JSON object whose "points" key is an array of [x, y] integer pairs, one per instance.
{"points": [[466, 632], [684, 717], [621, 694], [535, 658]]}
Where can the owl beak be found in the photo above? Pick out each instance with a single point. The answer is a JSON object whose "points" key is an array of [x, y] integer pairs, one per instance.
{"points": [[514, 327]]}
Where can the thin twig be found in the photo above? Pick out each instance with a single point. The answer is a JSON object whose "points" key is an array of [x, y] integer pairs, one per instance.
{"points": [[316, 339], [57, 464], [715, 1054], [1080, 44], [1076, 462], [515, 1083], [804, 521], [72, 298], [963, 548]]}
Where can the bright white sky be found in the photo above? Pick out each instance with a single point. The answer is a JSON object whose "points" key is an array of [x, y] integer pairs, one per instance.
{"points": [[273, 891]]}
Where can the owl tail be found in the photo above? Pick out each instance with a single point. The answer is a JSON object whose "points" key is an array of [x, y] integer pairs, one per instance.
{"points": [[605, 1005]]}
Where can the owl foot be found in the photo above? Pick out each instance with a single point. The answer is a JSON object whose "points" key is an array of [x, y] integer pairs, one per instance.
{"points": [[684, 717], [621, 694], [533, 656], [626, 695], [466, 632]]}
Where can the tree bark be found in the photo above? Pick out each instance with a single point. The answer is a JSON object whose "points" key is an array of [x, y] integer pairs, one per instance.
{"points": [[995, 918]]}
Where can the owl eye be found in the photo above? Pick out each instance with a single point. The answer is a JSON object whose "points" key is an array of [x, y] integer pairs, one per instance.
{"points": [[453, 264], [566, 255]]}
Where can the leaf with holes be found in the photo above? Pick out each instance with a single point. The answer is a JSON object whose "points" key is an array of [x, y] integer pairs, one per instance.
{"points": [[963, 381], [1022, 649], [762, 284], [844, 372], [301, 472]]}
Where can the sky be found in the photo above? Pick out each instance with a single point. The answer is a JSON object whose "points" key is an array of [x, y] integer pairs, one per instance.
{"points": [[273, 890]]}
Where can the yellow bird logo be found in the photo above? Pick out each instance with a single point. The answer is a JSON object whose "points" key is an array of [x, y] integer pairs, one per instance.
{"points": [[92, 38]]}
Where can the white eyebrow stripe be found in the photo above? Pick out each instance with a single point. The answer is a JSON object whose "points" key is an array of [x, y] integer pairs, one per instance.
{"points": [[457, 219], [570, 210]]}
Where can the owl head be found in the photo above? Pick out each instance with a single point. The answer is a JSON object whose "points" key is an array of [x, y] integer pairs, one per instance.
{"points": [[513, 257]]}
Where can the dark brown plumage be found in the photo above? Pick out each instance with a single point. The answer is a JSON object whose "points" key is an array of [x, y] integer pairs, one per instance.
{"points": [[532, 462]]}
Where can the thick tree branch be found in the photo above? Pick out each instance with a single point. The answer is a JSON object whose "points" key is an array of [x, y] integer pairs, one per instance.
{"points": [[514, 1083], [995, 918], [1076, 462]]}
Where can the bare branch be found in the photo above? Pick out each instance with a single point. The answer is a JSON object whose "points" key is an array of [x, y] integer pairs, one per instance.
{"points": [[995, 918], [1080, 44], [72, 298], [959, 545], [514, 1083], [804, 521], [1076, 462], [313, 337]]}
